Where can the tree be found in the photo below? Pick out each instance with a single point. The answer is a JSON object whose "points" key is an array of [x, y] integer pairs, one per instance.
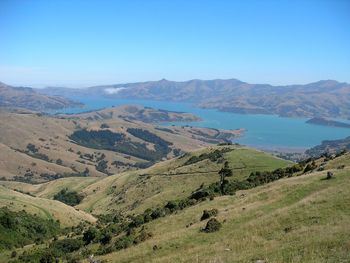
{"points": [[90, 235], [105, 238], [223, 173]]}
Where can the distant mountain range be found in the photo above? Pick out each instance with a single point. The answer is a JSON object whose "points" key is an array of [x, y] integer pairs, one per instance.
{"points": [[28, 98], [326, 98]]}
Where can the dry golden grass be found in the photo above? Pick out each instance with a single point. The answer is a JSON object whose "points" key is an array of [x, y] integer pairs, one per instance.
{"points": [[300, 219], [51, 136], [133, 192], [50, 209]]}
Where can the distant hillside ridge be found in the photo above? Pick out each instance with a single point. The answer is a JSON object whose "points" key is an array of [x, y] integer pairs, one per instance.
{"points": [[28, 98], [330, 147], [325, 98]]}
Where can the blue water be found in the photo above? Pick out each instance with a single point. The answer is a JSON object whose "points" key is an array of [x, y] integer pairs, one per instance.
{"points": [[262, 131]]}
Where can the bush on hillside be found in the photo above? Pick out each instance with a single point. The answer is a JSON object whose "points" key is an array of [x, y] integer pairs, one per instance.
{"points": [[213, 225], [71, 198], [209, 213], [20, 228], [90, 235], [64, 246]]}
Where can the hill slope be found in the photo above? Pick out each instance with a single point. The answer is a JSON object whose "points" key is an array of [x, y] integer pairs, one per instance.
{"points": [[45, 208], [135, 191], [327, 98], [299, 219], [38, 148], [28, 98]]}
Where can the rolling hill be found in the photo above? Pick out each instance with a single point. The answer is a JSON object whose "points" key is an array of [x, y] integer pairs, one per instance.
{"points": [[299, 218], [326, 98], [36, 147], [28, 98], [42, 207], [135, 191]]}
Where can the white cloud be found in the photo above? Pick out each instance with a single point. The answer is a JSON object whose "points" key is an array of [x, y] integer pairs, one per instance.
{"points": [[111, 91]]}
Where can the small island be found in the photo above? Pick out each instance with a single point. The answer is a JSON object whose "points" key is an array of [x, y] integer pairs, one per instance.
{"points": [[328, 122]]}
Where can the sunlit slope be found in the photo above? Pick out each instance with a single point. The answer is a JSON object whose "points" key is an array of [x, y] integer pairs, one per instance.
{"points": [[51, 209], [37, 148], [170, 180], [299, 219], [134, 191], [49, 189]]}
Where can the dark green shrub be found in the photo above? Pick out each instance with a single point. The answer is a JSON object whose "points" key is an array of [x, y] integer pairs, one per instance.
{"points": [[90, 235], [172, 206], [59, 162], [20, 228], [105, 237], [158, 212], [48, 257], [137, 221], [209, 213], [213, 225], [65, 246], [200, 194], [68, 197], [123, 242]]}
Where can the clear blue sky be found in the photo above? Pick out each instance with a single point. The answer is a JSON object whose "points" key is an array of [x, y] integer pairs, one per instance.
{"points": [[81, 43]]}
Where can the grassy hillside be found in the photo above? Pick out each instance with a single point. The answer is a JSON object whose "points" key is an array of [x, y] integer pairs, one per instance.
{"points": [[45, 208], [38, 148], [299, 219], [173, 179]]}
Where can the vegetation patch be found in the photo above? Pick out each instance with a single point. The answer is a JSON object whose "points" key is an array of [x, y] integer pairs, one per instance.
{"points": [[213, 225], [71, 198], [212, 156], [20, 228], [108, 140], [209, 213]]}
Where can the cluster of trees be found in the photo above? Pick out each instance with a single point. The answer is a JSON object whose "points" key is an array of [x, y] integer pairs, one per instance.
{"points": [[102, 167], [20, 228], [226, 187], [212, 156], [101, 139], [108, 140], [69, 197], [161, 146], [34, 152]]}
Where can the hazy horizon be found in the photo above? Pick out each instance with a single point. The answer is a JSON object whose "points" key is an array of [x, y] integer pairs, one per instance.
{"points": [[187, 80]]}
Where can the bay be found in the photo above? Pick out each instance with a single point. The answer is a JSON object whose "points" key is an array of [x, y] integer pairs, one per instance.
{"points": [[269, 132]]}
